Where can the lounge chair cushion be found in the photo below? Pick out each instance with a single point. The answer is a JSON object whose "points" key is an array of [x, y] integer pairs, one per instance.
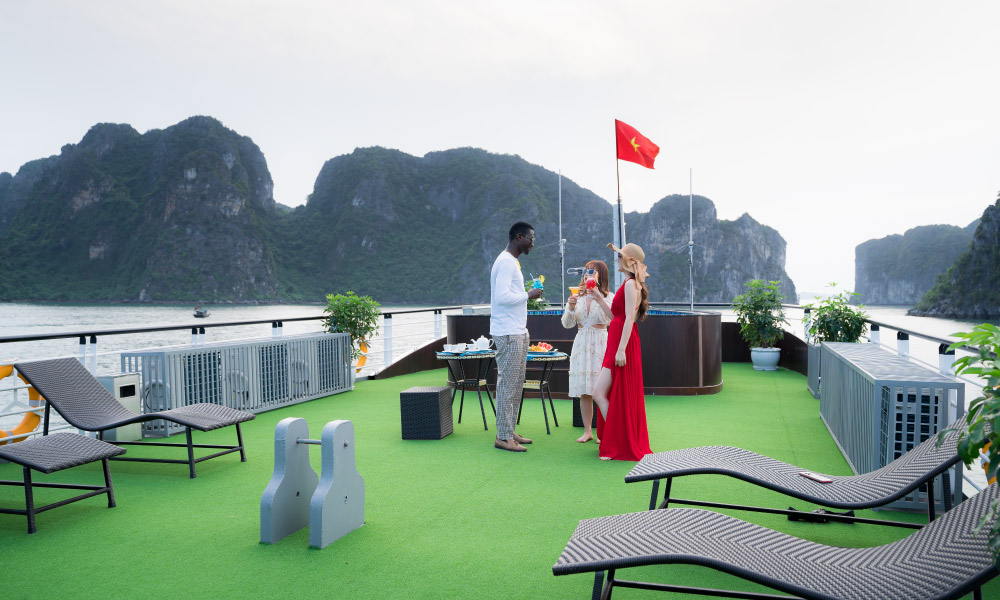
{"points": [[51, 453], [85, 403], [945, 559], [877, 488]]}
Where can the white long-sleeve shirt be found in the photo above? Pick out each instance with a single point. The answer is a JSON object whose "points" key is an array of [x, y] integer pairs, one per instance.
{"points": [[508, 300]]}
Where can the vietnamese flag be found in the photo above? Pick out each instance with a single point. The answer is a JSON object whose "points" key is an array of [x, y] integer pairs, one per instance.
{"points": [[633, 146]]}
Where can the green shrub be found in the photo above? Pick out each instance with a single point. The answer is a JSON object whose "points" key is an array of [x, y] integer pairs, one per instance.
{"points": [[352, 314], [760, 314], [834, 320], [983, 418]]}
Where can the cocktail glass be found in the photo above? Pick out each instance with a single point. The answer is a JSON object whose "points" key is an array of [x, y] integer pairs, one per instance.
{"points": [[574, 289]]}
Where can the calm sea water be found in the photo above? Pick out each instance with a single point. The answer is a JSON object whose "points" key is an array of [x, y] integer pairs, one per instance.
{"points": [[22, 319], [409, 330], [17, 319], [33, 319]]}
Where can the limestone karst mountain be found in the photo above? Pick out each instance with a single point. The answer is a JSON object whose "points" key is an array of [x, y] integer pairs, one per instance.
{"points": [[187, 214], [899, 269], [970, 289]]}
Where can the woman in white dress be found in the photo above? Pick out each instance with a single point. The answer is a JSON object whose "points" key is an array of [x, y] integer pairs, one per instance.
{"points": [[586, 314]]}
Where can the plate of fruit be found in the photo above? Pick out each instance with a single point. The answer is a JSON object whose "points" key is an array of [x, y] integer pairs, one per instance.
{"points": [[541, 348]]}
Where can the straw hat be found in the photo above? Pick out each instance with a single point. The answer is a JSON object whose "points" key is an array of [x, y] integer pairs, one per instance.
{"points": [[633, 256]]}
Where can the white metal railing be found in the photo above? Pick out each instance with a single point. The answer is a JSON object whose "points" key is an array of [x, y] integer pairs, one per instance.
{"points": [[400, 332]]}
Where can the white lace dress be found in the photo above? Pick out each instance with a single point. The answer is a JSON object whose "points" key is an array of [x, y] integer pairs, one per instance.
{"points": [[589, 345]]}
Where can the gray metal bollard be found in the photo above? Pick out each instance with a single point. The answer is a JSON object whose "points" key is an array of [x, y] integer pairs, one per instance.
{"points": [[295, 497], [284, 507], [338, 504]]}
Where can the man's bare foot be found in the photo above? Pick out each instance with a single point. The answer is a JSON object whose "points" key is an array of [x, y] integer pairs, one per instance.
{"points": [[586, 437]]}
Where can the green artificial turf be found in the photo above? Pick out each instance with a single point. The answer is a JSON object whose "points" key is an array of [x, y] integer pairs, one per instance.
{"points": [[451, 518]]}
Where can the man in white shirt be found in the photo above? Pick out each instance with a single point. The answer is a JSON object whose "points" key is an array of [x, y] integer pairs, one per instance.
{"points": [[509, 329]]}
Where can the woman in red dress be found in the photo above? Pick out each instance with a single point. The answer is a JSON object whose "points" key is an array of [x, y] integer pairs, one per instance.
{"points": [[621, 424]]}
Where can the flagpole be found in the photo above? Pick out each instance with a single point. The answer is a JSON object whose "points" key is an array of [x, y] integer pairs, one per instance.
{"points": [[620, 225]]}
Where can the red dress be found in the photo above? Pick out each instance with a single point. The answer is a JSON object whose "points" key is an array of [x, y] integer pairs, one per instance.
{"points": [[624, 435]]}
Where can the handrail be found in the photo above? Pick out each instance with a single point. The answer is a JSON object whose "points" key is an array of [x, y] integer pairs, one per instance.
{"points": [[897, 328], [102, 332], [432, 309], [386, 315]]}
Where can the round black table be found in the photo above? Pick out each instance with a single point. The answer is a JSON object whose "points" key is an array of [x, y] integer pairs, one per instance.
{"points": [[462, 381], [548, 360]]}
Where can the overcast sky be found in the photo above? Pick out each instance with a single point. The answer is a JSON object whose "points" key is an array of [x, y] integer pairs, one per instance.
{"points": [[832, 122]]}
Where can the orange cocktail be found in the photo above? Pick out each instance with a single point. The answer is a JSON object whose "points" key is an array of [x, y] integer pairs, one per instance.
{"points": [[574, 289]]}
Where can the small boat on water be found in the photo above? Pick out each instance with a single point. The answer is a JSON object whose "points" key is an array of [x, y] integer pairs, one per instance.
{"points": [[200, 312]]}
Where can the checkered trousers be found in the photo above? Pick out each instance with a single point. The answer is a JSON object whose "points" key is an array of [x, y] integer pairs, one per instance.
{"points": [[512, 351]]}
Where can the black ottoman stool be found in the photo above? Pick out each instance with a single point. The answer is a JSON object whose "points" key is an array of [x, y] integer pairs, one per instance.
{"points": [[425, 412]]}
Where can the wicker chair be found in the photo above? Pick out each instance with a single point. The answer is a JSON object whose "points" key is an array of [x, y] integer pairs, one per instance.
{"points": [[900, 477], [87, 405], [51, 453], [946, 559]]}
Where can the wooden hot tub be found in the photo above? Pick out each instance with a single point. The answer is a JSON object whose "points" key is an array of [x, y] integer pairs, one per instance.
{"points": [[681, 350]]}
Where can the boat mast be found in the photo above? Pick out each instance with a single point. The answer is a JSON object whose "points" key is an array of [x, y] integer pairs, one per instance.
{"points": [[691, 234], [562, 245]]}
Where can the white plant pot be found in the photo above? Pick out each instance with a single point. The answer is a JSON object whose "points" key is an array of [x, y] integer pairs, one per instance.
{"points": [[765, 359]]}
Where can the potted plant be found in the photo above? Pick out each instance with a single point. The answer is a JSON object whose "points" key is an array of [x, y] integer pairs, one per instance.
{"points": [[835, 320], [983, 418], [354, 315], [760, 316], [831, 320]]}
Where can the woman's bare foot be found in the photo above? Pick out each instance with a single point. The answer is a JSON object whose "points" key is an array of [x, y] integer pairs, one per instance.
{"points": [[586, 437]]}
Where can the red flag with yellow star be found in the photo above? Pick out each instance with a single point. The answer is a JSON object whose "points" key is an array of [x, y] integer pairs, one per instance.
{"points": [[633, 146]]}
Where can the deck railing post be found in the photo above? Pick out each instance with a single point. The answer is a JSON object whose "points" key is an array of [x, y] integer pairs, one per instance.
{"points": [[194, 336], [437, 324], [201, 336], [808, 322], [281, 329], [946, 360], [83, 350], [93, 355], [386, 339], [875, 336], [274, 329], [903, 344]]}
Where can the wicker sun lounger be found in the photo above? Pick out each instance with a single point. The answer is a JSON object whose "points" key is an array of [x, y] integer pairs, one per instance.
{"points": [[51, 453], [945, 559], [900, 477], [86, 404]]}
